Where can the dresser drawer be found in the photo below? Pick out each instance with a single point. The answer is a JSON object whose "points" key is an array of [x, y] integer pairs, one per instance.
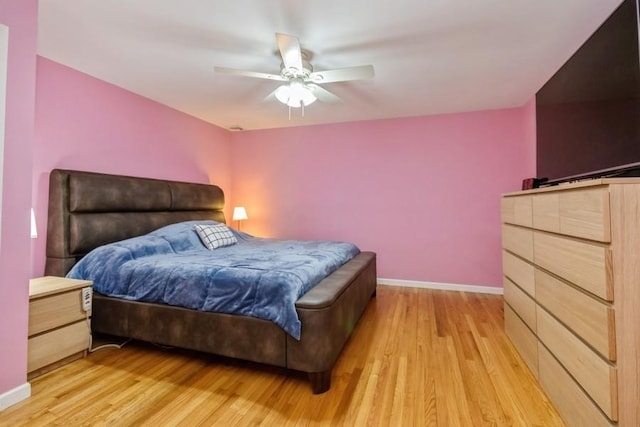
{"points": [[520, 302], [572, 403], [55, 310], [578, 213], [546, 212], [517, 210], [518, 240], [597, 377], [53, 346], [519, 271], [587, 265], [585, 213], [523, 339], [587, 317]]}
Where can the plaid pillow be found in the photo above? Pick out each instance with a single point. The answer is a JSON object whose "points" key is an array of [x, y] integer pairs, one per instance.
{"points": [[215, 236]]}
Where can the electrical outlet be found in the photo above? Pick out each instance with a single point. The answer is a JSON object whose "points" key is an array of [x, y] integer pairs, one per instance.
{"points": [[86, 298]]}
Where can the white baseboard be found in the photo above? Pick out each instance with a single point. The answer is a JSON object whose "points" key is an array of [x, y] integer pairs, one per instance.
{"points": [[442, 286], [11, 397]]}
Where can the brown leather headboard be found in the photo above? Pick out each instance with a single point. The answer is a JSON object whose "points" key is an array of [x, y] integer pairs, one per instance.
{"points": [[87, 210]]}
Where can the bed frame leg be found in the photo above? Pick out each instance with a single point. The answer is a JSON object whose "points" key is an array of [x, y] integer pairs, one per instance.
{"points": [[320, 381]]}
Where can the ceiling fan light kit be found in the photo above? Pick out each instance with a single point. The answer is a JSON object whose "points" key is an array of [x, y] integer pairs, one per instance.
{"points": [[295, 94], [302, 87]]}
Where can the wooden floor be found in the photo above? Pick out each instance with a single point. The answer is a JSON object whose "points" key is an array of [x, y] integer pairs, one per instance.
{"points": [[418, 358]]}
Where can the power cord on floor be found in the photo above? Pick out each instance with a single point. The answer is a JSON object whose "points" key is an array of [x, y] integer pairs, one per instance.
{"points": [[103, 346]]}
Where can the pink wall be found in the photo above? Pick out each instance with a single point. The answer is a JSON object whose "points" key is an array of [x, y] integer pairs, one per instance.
{"points": [[421, 192], [87, 124], [21, 18]]}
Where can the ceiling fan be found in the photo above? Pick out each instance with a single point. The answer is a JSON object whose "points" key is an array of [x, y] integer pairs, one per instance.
{"points": [[303, 83]]}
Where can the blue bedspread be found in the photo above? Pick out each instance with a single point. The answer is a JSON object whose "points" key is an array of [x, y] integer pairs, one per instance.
{"points": [[256, 277]]}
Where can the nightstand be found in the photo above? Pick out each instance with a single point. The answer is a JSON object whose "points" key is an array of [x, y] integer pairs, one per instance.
{"points": [[59, 330]]}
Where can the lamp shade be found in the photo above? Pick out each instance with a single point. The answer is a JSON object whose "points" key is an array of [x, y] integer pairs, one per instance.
{"points": [[239, 213], [295, 94]]}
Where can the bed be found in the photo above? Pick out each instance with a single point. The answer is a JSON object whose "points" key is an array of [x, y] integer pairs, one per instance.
{"points": [[88, 210]]}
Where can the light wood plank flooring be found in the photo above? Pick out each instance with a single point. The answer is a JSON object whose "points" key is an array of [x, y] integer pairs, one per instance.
{"points": [[418, 358]]}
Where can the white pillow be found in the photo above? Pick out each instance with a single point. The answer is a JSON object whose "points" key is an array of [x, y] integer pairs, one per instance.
{"points": [[215, 236]]}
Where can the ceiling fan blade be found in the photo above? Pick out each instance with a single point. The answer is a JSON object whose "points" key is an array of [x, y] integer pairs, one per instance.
{"points": [[289, 47], [343, 74], [271, 96], [324, 95], [243, 73]]}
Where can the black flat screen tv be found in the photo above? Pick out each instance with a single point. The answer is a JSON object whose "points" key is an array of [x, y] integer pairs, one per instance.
{"points": [[588, 113]]}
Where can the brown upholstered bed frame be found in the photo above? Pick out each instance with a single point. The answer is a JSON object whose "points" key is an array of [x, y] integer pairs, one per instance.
{"points": [[88, 209]]}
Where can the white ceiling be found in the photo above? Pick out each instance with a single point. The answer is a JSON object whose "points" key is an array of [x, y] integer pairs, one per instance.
{"points": [[430, 56]]}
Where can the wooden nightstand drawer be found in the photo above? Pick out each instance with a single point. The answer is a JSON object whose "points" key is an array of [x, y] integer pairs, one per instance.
{"points": [[585, 264], [54, 311], [53, 346], [59, 328]]}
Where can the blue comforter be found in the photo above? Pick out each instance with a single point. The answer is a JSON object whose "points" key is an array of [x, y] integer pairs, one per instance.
{"points": [[256, 277]]}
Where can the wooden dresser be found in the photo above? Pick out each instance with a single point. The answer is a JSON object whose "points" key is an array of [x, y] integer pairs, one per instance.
{"points": [[571, 263]]}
